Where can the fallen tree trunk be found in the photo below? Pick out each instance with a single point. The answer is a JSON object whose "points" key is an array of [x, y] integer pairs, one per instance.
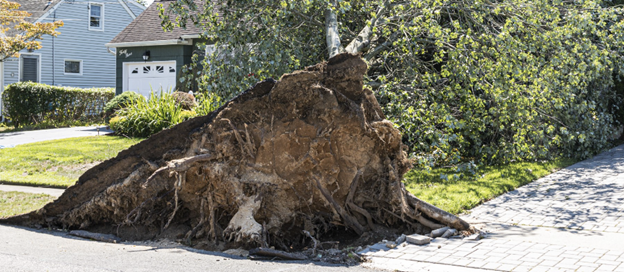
{"points": [[283, 162]]}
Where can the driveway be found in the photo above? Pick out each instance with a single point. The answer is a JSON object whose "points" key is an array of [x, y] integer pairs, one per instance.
{"points": [[572, 220], [10, 139]]}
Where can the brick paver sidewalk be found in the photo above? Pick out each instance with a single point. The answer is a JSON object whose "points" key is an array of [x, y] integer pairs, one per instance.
{"points": [[572, 220]]}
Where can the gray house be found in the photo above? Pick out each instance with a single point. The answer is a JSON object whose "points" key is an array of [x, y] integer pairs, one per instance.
{"points": [[150, 59], [77, 57]]}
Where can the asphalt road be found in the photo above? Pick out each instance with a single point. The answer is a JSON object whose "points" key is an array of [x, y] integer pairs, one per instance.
{"points": [[24, 249]]}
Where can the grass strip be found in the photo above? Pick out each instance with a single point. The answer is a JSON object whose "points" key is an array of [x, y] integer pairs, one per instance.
{"points": [[57, 163], [458, 194], [13, 203]]}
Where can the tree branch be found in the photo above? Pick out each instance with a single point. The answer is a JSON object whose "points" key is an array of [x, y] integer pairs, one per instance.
{"points": [[309, 19], [331, 32], [363, 38]]}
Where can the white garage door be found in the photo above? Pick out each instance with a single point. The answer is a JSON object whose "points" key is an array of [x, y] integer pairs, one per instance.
{"points": [[144, 78]]}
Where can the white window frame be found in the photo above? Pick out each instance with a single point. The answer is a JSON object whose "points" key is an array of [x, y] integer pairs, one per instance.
{"points": [[20, 68], [72, 74], [101, 28]]}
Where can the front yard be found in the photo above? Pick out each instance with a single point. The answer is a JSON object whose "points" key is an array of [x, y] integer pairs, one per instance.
{"points": [[13, 203], [57, 163]]}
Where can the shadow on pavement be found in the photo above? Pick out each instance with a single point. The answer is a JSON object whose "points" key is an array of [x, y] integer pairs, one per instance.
{"points": [[171, 247]]}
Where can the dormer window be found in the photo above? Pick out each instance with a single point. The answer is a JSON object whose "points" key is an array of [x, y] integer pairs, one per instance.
{"points": [[96, 16]]}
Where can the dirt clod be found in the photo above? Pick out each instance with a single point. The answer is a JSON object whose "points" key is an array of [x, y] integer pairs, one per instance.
{"points": [[304, 162]]}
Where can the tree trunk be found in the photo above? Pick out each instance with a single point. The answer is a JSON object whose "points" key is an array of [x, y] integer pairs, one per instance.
{"points": [[332, 35]]}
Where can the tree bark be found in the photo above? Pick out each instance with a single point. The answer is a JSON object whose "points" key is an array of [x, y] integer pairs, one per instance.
{"points": [[332, 35]]}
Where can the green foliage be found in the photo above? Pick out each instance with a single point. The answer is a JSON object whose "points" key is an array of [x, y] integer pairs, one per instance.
{"points": [[207, 103], [57, 163], [33, 103], [465, 81], [146, 117], [455, 192], [527, 83], [121, 101]]}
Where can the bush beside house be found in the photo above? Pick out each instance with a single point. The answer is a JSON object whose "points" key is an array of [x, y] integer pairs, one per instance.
{"points": [[32, 103], [119, 102], [142, 118]]}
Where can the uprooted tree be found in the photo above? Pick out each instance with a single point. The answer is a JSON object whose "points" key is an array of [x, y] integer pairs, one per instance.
{"points": [[284, 161]]}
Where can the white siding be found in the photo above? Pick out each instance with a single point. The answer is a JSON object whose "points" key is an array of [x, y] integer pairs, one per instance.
{"points": [[77, 42]]}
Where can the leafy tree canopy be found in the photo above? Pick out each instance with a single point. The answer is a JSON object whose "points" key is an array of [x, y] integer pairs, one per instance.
{"points": [[17, 34], [479, 81]]}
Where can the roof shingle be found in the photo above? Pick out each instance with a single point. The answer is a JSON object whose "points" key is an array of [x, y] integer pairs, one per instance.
{"points": [[147, 27]]}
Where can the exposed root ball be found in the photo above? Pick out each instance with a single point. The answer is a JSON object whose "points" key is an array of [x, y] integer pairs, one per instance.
{"points": [[283, 164]]}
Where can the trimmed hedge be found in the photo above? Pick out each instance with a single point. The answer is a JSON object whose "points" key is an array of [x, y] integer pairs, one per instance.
{"points": [[28, 103]]}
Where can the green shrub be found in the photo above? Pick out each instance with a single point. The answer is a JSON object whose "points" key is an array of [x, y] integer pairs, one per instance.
{"points": [[34, 103], [207, 103], [146, 117], [121, 101], [143, 118]]}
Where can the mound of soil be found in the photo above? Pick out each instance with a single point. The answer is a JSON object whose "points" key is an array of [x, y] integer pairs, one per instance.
{"points": [[285, 164]]}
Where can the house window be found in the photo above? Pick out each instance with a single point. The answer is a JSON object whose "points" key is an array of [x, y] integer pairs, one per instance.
{"points": [[73, 67], [30, 68], [96, 17]]}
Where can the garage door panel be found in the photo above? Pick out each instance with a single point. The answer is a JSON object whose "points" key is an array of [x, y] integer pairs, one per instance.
{"points": [[146, 77]]}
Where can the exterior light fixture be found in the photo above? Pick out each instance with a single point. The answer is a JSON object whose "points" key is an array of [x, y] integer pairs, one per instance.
{"points": [[146, 55]]}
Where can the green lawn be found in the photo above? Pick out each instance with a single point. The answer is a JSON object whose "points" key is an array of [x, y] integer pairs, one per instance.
{"points": [[12, 203], [57, 163], [457, 195]]}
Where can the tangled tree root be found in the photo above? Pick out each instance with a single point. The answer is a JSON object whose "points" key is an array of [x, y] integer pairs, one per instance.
{"points": [[283, 164]]}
